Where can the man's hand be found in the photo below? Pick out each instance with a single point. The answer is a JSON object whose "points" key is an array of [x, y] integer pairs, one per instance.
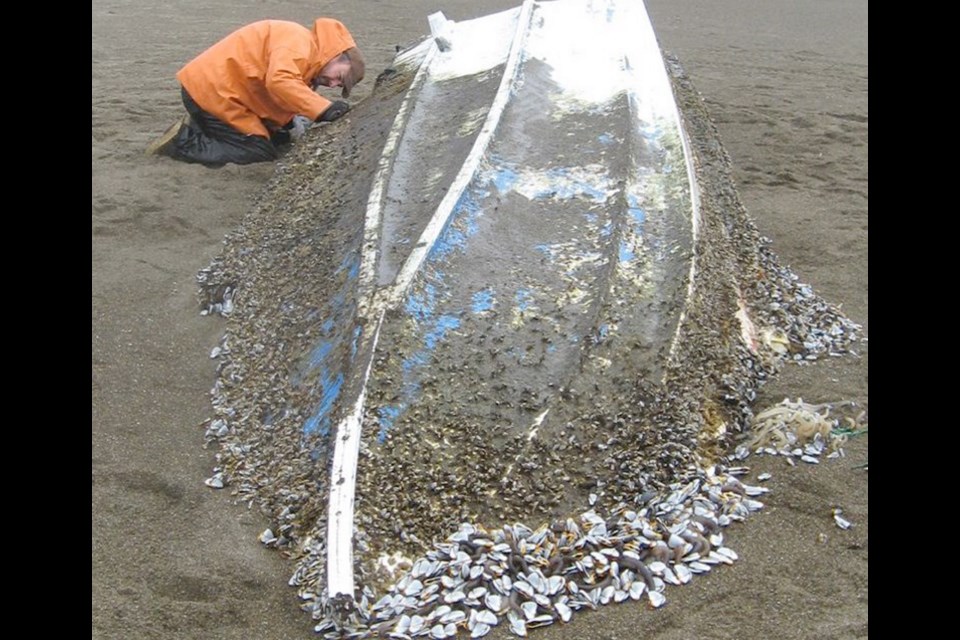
{"points": [[334, 111], [299, 126]]}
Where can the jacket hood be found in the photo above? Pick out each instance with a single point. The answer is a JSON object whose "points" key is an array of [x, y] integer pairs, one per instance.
{"points": [[332, 39]]}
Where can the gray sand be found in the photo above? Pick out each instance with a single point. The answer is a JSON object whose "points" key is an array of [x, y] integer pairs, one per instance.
{"points": [[787, 88]]}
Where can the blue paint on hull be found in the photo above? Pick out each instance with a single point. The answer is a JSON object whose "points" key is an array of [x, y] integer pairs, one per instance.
{"points": [[323, 370]]}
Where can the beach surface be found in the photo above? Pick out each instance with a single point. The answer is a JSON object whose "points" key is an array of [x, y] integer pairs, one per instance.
{"points": [[786, 85]]}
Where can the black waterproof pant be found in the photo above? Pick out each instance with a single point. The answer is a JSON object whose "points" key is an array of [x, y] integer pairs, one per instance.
{"points": [[211, 141]]}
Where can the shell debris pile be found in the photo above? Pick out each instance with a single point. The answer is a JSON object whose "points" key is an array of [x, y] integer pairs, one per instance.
{"points": [[479, 578], [638, 497]]}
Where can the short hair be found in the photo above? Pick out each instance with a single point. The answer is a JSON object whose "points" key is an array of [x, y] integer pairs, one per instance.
{"points": [[358, 68]]}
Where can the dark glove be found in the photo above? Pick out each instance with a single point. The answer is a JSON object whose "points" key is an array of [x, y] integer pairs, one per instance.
{"points": [[334, 111]]}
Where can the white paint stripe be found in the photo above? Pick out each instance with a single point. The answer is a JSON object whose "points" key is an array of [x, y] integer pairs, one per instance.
{"points": [[371, 229], [343, 474], [650, 72], [470, 164], [695, 225], [343, 478]]}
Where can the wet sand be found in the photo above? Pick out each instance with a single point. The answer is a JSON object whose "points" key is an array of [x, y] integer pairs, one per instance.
{"points": [[787, 88]]}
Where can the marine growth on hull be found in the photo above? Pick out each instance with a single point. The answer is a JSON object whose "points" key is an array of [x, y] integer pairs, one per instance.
{"points": [[540, 312]]}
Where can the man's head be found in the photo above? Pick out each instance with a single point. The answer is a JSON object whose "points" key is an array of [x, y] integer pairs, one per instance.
{"points": [[345, 70]]}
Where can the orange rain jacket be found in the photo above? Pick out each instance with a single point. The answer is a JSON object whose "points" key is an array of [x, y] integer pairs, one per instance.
{"points": [[263, 72]]}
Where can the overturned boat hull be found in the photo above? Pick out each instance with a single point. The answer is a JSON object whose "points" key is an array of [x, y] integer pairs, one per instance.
{"points": [[554, 263], [515, 287]]}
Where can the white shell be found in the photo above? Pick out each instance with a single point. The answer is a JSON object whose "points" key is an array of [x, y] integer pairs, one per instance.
{"points": [[523, 587], [728, 552], [416, 624], [656, 598], [541, 620], [454, 596], [529, 609], [518, 626], [403, 624], [488, 618], [554, 585], [454, 616]]}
